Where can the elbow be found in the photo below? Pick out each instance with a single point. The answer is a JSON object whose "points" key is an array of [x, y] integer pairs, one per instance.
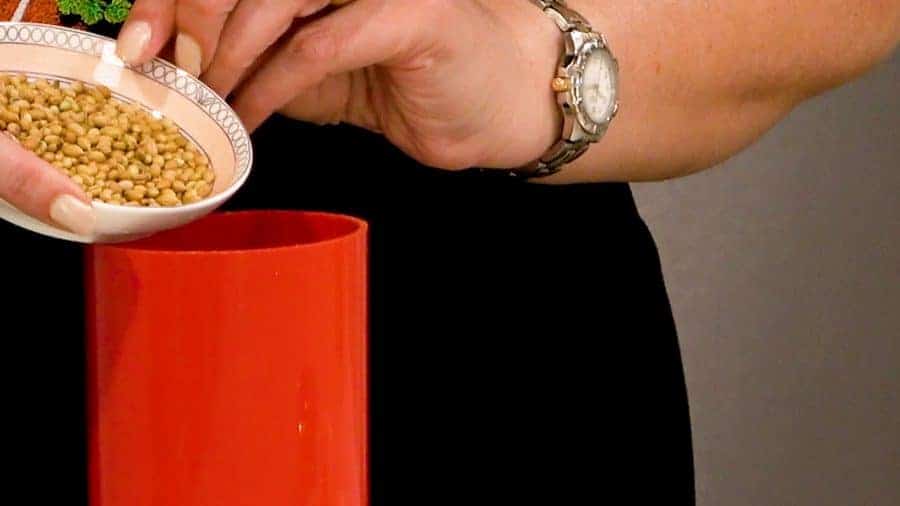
{"points": [[876, 39], [871, 37]]}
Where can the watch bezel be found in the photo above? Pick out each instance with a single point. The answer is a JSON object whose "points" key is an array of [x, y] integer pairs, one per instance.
{"points": [[579, 47]]}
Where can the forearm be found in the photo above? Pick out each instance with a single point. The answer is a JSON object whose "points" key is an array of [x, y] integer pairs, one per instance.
{"points": [[702, 80]]}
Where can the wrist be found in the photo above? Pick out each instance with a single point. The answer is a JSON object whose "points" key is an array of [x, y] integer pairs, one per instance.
{"points": [[536, 118]]}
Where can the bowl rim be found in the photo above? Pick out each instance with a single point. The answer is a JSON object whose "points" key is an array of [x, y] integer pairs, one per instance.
{"points": [[202, 97]]}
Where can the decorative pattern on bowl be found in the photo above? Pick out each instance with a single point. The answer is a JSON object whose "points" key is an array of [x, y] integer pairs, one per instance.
{"points": [[160, 71], [68, 54]]}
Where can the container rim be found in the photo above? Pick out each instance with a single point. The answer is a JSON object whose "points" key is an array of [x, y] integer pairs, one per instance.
{"points": [[355, 227]]}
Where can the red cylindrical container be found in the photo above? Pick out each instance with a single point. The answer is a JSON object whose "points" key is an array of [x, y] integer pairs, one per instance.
{"points": [[227, 364]]}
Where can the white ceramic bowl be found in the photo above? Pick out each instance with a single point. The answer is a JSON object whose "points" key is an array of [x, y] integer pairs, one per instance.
{"points": [[66, 55]]}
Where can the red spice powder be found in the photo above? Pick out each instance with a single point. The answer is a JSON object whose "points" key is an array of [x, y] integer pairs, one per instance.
{"points": [[7, 9], [42, 11], [38, 11]]}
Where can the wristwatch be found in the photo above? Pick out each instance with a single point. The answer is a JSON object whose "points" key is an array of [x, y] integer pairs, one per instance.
{"points": [[586, 86]]}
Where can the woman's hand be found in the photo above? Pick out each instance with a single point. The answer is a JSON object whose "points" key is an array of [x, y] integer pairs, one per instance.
{"points": [[37, 189], [458, 83], [454, 83]]}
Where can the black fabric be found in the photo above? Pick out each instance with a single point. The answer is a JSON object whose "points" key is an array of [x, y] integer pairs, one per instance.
{"points": [[522, 341]]}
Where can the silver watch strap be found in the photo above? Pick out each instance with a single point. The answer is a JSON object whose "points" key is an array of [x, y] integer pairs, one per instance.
{"points": [[563, 151], [566, 19], [553, 160]]}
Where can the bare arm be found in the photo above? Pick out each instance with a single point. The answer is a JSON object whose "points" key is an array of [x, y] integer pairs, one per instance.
{"points": [[466, 83], [703, 79]]}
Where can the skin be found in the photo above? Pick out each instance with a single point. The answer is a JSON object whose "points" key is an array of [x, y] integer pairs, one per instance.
{"points": [[30, 184], [477, 92], [465, 83]]}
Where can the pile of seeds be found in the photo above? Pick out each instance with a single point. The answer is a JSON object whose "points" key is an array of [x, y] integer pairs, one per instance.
{"points": [[118, 152]]}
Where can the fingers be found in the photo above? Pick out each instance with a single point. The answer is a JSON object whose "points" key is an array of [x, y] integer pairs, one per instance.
{"points": [[364, 33], [199, 24], [37, 189], [196, 26], [327, 102], [147, 30], [254, 26]]}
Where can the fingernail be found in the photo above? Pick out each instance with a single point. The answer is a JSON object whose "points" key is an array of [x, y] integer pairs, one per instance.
{"points": [[133, 41], [73, 214], [188, 54]]}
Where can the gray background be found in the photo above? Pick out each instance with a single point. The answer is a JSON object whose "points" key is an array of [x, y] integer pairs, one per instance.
{"points": [[783, 267]]}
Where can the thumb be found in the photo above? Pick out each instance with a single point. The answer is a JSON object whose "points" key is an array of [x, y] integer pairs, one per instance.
{"points": [[338, 99], [359, 35], [37, 189]]}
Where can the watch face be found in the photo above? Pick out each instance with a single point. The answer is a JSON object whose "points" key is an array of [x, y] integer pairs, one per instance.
{"points": [[598, 90]]}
